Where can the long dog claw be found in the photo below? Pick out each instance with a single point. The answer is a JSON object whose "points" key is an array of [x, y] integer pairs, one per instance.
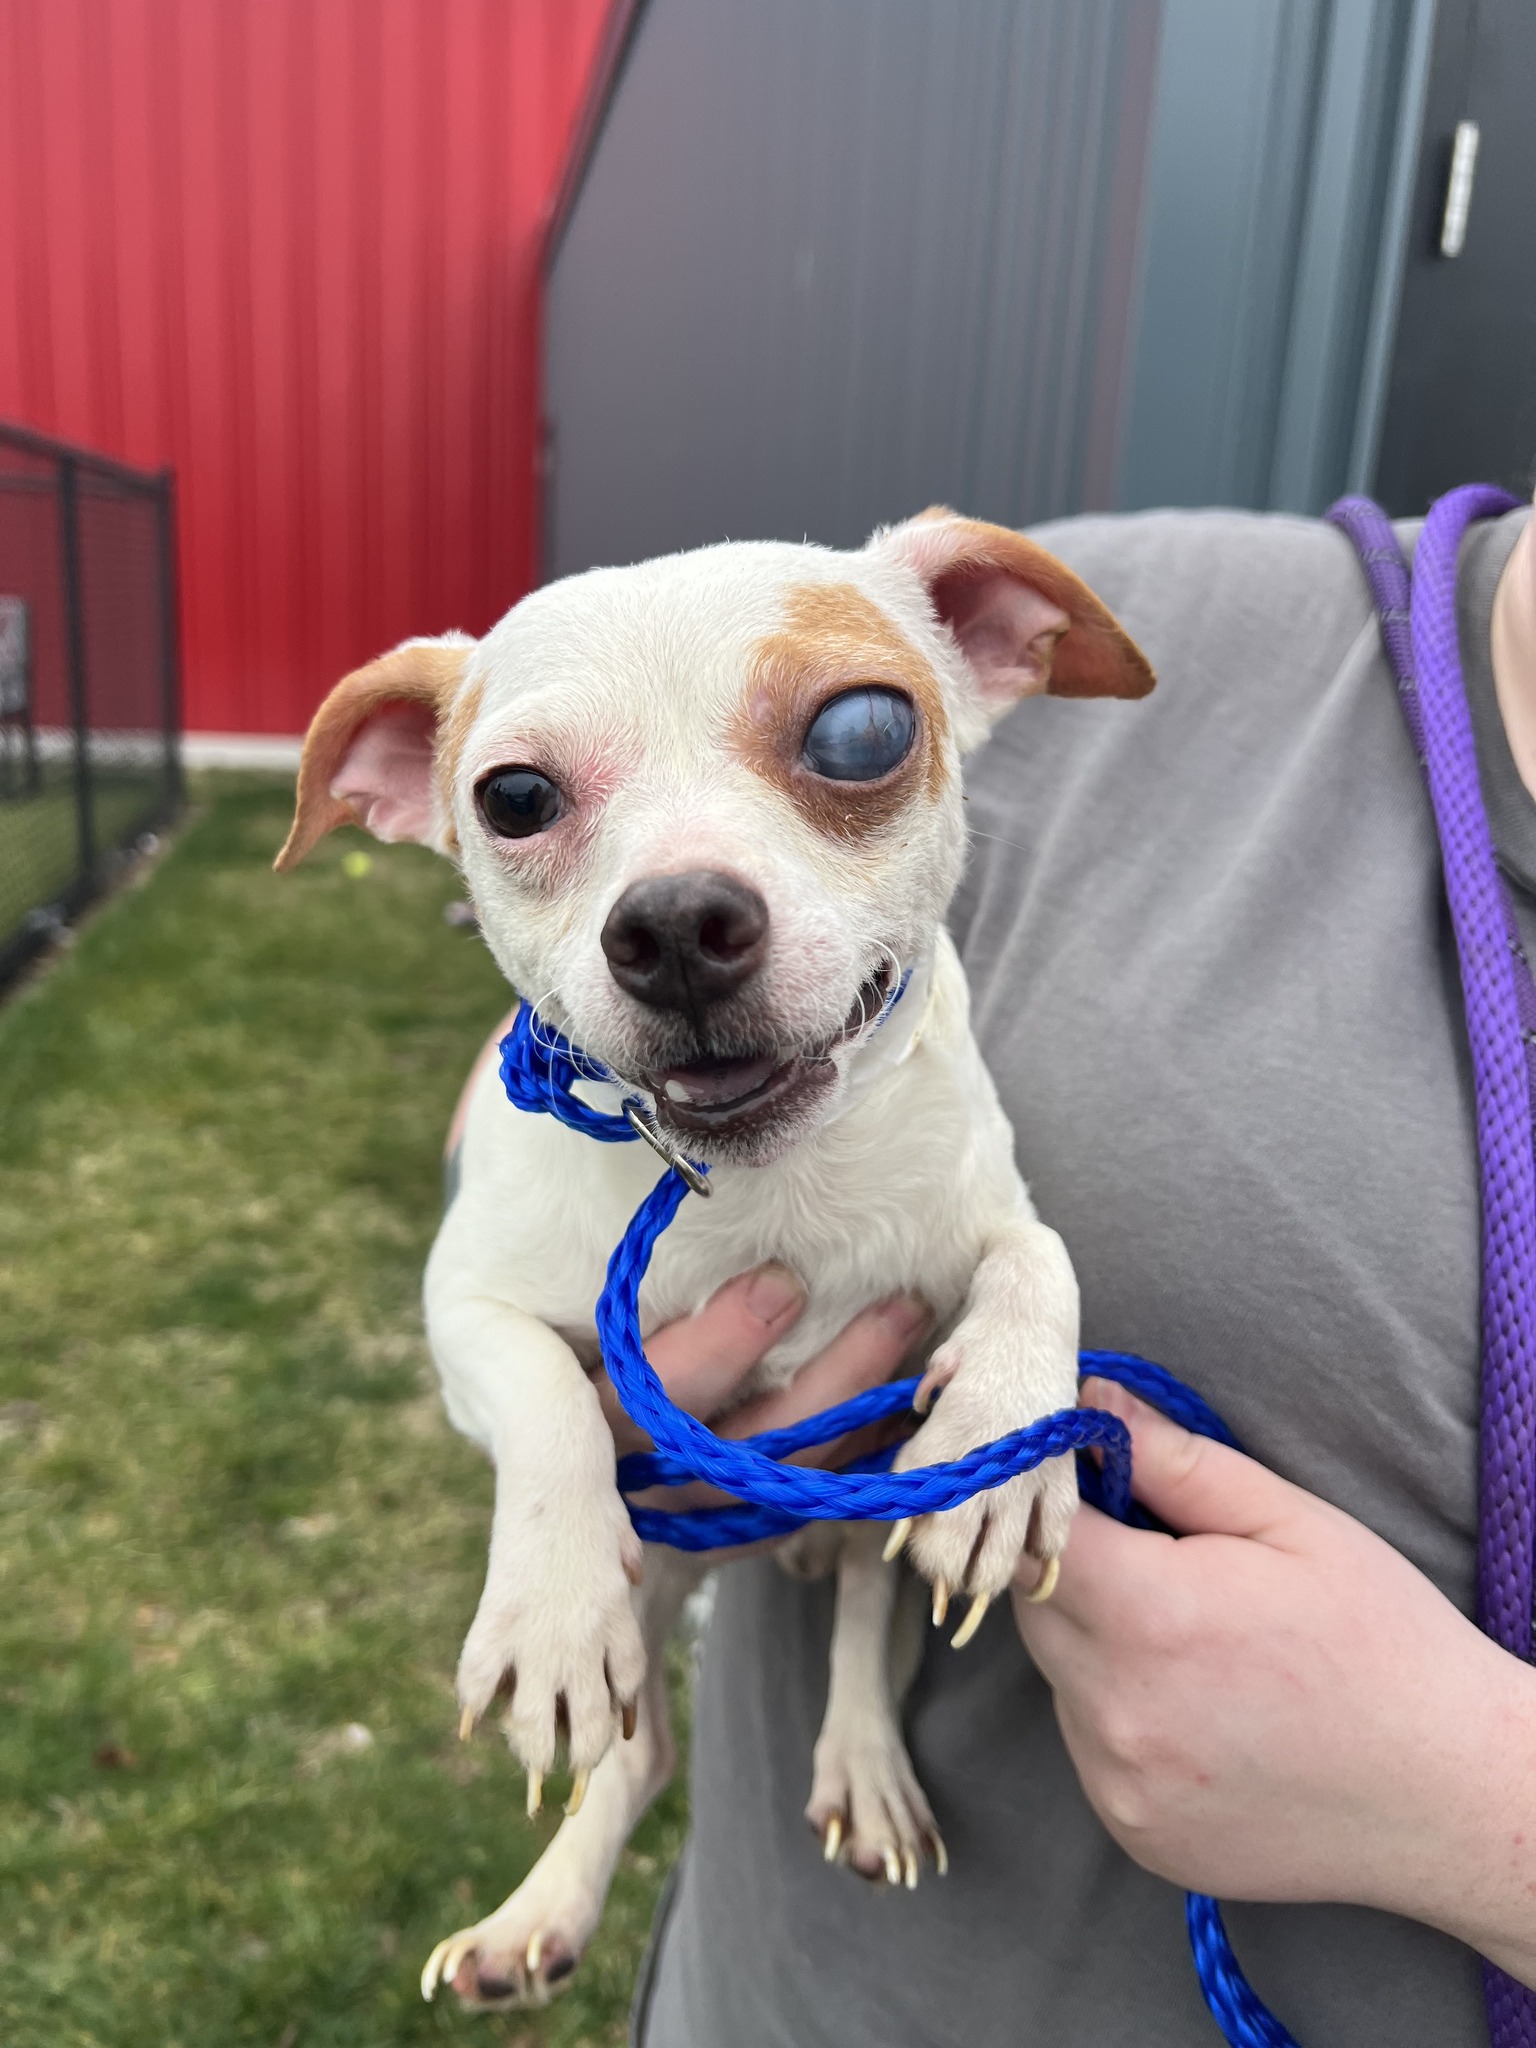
{"points": [[940, 1856], [466, 1724], [940, 1601], [432, 1973], [909, 1870], [892, 1867], [579, 1784], [832, 1842], [535, 1790], [972, 1621], [1047, 1585], [900, 1531], [443, 1963]]}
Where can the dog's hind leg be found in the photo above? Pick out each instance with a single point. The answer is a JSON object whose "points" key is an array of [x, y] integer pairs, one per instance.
{"points": [[812, 1552], [524, 1951], [866, 1803]]}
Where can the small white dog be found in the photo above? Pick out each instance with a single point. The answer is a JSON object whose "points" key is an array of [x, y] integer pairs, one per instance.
{"points": [[709, 811]]}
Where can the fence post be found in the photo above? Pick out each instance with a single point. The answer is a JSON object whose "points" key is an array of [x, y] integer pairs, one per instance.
{"points": [[74, 654], [170, 634]]}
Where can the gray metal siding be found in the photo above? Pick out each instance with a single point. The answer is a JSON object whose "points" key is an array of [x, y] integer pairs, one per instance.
{"points": [[837, 259], [1282, 143], [834, 262]]}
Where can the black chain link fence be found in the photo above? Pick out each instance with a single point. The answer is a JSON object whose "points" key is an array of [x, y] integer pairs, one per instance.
{"points": [[89, 703]]}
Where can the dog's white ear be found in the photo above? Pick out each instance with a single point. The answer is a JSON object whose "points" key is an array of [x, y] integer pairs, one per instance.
{"points": [[369, 752], [1023, 622]]}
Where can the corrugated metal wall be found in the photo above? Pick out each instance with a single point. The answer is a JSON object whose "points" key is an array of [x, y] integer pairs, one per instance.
{"points": [[831, 263], [1283, 140], [289, 246]]}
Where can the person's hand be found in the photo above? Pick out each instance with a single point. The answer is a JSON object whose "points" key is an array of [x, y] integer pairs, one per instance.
{"points": [[1277, 1705], [704, 1359]]}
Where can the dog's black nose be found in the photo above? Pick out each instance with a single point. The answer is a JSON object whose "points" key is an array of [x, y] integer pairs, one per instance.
{"points": [[678, 942]]}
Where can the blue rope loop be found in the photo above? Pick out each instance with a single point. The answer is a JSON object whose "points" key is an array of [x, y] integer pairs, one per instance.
{"points": [[1233, 2002], [1105, 1486], [757, 1476], [539, 1069]]}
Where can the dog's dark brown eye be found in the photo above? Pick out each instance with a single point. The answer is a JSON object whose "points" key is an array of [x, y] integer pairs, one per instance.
{"points": [[861, 735], [517, 802]]}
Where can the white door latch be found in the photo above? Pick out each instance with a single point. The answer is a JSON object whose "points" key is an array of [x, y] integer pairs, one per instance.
{"points": [[1458, 188]]}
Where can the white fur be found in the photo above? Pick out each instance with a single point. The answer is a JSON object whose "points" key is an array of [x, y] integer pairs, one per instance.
{"points": [[643, 668], [622, 685]]}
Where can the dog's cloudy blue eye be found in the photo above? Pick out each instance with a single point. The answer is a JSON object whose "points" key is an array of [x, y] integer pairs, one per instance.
{"points": [[861, 735], [517, 802]]}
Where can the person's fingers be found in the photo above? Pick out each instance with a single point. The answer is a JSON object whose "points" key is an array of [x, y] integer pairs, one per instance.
{"points": [[1109, 1572], [1102, 1559], [864, 1354], [703, 1358], [1056, 1639], [1196, 1486]]}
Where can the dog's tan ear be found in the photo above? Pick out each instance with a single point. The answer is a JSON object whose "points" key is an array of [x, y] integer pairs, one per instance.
{"points": [[1023, 621], [368, 754]]}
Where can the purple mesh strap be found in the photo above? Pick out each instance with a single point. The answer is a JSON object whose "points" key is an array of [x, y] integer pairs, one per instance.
{"points": [[1376, 544], [1500, 1007]]}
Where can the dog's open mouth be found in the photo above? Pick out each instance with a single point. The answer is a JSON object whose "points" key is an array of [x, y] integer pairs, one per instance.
{"points": [[719, 1095]]}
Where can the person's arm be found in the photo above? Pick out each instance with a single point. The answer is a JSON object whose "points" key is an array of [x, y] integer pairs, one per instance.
{"points": [[1513, 633], [1277, 1705]]}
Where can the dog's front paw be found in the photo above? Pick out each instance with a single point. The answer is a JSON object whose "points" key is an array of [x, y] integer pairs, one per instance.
{"points": [[974, 1548], [556, 1634]]}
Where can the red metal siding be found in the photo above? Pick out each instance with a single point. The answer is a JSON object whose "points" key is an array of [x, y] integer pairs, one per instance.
{"points": [[289, 247]]}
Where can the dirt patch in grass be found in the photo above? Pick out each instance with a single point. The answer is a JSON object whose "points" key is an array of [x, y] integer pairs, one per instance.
{"points": [[239, 1545]]}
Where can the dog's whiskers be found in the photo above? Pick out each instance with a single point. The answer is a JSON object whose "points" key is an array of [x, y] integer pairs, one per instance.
{"points": [[885, 957], [998, 840]]}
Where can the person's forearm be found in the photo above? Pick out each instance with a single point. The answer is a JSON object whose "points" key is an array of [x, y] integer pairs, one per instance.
{"points": [[1474, 1875]]}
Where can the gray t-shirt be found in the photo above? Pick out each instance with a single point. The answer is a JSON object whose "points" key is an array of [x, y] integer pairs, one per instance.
{"points": [[1214, 980]]}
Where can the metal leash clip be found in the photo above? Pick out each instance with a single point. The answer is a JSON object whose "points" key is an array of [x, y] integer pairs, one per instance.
{"points": [[690, 1173]]}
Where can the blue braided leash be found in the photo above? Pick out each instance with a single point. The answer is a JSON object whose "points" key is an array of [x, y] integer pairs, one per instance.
{"points": [[539, 1070]]}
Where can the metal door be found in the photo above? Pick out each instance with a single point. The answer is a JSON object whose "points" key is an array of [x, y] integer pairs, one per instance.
{"points": [[1462, 401], [832, 260]]}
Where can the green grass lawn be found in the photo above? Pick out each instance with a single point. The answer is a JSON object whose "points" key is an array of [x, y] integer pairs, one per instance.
{"points": [[233, 1520]]}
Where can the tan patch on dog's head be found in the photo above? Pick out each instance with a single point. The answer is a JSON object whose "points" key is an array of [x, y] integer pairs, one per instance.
{"points": [[834, 638], [452, 733]]}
